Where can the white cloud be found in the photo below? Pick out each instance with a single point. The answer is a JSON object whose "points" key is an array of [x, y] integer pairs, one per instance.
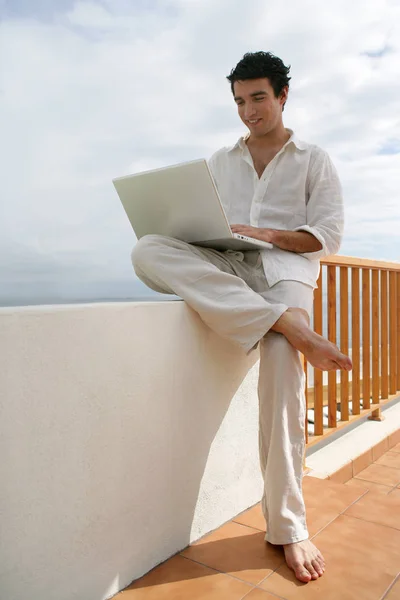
{"points": [[99, 89]]}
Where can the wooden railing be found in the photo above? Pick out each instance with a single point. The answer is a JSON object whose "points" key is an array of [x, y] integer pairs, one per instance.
{"points": [[357, 306]]}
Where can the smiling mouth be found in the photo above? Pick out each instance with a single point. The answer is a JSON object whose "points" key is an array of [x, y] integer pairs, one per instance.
{"points": [[253, 121]]}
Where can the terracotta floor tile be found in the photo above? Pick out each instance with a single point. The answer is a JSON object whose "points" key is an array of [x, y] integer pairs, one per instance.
{"points": [[394, 592], [179, 578], [380, 474], [253, 517], [237, 550], [362, 462], [337, 493], [369, 485], [390, 459], [351, 548], [325, 500], [383, 509]]}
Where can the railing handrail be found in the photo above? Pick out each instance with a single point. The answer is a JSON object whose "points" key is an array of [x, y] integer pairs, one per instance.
{"points": [[351, 261]]}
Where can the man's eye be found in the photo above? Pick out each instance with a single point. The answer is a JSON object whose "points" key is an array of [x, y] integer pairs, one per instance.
{"points": [[259, 98]]}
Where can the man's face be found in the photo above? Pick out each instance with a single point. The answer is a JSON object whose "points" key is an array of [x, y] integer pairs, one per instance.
{"points": [[257, 105]]}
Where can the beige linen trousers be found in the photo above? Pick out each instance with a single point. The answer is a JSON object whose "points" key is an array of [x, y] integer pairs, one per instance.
{"points": [[231, 294]]}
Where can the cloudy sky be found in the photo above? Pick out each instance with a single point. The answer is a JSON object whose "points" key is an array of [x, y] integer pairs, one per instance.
{"points": [[94, 90]]}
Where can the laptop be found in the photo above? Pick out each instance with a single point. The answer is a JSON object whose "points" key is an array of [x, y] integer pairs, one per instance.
{"points": [[180, 201]]}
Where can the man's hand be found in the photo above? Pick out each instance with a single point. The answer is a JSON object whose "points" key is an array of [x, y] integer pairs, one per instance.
{"points": [[292, 241], [259, 233]]}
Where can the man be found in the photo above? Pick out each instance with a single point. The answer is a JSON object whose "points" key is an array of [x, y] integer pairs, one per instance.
{"points": [[278, 189]]}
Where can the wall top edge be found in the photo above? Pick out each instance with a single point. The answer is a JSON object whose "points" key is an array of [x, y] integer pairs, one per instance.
{"points": [[82, 305]]}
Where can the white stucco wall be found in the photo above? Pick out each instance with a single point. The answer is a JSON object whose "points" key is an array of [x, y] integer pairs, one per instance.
{"points": [[125, 433]]}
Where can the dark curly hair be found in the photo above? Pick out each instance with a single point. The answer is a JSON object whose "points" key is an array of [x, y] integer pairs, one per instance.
{"points": [[257, 65]]}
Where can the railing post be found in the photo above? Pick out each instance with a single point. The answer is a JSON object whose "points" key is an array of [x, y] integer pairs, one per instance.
{"points": [[318, 375], [392, 333], [398, 330], [384, 336], [366, 340], [332, 388], [376, 414], [344, 341], [355, 327]]}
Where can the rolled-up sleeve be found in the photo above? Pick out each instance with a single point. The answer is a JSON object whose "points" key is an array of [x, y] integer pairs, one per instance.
{"points": [[324, 210]]}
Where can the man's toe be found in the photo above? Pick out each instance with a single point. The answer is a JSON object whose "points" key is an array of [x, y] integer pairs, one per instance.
{"points": [[302, 573], [317, 567], [311, 570], [344, 363]]}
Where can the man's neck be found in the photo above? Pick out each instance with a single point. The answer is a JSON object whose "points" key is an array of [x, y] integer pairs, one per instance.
{"points": [[273, 139]]}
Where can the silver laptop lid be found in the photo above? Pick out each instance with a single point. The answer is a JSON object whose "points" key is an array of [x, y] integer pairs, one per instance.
{"points": [[179, 201]]}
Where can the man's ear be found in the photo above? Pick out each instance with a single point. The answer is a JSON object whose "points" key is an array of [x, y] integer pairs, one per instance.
{"points": [[284, 94]]}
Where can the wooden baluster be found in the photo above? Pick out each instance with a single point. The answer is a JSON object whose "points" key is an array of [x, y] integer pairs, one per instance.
{"points": [[318, 375], [376, 415], [392, 333], [332, 388], [398, 330], [384, 335], [355, 345], [366, 340], [344, 341]]}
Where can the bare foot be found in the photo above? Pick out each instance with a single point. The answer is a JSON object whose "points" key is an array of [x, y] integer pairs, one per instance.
{"points": [[320, 352], [305, 560]]}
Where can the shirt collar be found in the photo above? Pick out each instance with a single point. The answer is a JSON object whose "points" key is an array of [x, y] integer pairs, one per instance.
{"points": [[241, 143]]}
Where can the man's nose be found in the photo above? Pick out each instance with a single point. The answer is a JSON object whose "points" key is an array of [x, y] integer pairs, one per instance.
{"points": [[249, 111]]}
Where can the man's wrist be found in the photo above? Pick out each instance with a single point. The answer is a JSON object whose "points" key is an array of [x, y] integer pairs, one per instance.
{"points": [[272, 236], [293, 241]]}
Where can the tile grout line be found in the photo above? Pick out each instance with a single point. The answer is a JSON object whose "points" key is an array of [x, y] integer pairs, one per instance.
{"points": [[378, 482], [253, 585], [386, 592], [256, 585], [220, 526], [278, 567], [325, 526], [385, 466], [342, 513], [339, 514], [249, 526], [234, 577], [373, 522], [266, 591]]}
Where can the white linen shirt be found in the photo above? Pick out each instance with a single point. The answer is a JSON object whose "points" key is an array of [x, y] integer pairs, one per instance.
{"points": [[299, 190]]}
